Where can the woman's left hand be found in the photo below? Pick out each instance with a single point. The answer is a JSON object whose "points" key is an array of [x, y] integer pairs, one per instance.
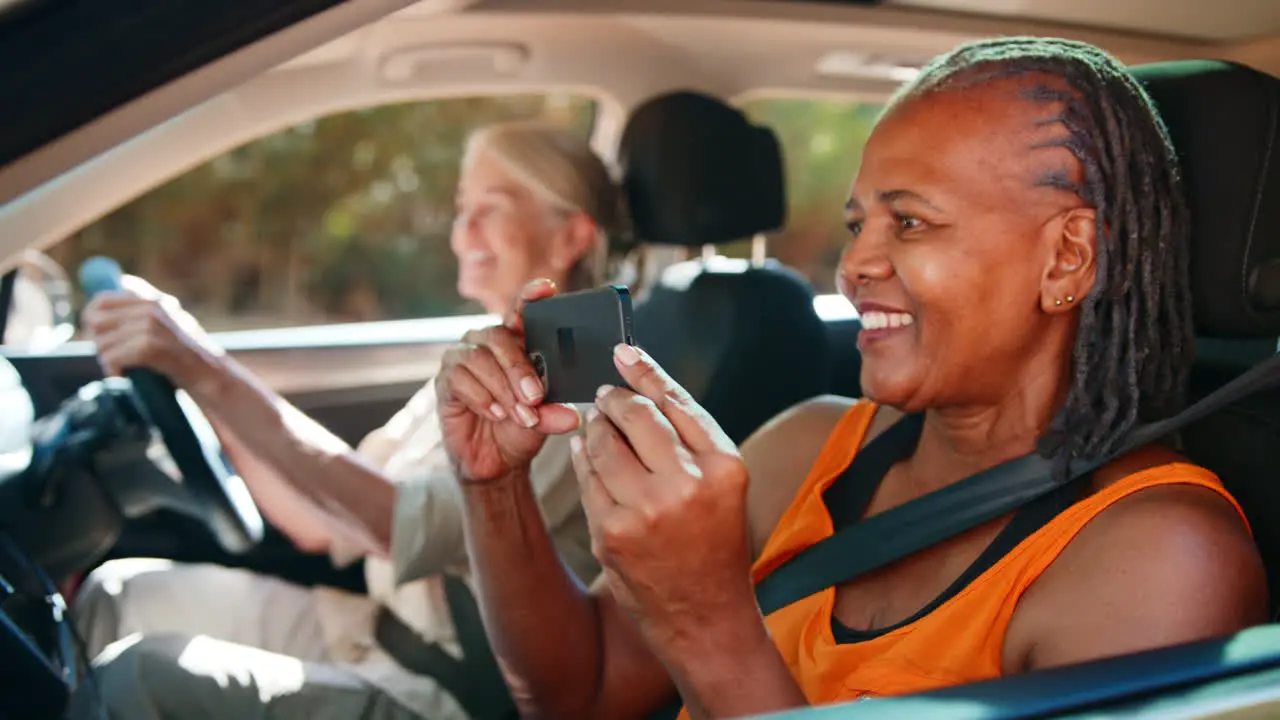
{"points": [[665, 495]]}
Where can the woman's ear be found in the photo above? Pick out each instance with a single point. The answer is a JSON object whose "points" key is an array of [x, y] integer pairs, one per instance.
{"points": [[573, 241], [1071, 269]]}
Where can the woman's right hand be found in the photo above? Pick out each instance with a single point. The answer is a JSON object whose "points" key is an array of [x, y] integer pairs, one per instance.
{"points": [[141, 327], [492, 418]]}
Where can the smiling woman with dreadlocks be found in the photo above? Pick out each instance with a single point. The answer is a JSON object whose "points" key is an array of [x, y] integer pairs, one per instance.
{"points": [[1019, 255]]}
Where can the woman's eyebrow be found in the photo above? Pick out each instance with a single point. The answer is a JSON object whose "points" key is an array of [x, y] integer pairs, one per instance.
{"points": [[852, 205], [890, 196]]}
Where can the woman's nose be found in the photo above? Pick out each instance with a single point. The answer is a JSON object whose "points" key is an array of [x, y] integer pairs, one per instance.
{"points": [[865, 258], [463, 234]]}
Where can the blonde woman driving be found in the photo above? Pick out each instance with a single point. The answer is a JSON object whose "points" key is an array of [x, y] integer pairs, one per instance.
{"points": [[206, 641]]}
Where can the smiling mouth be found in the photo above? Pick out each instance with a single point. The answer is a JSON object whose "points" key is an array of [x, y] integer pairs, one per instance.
{"points": [[476, 261], [877, 320], [878, 325]]}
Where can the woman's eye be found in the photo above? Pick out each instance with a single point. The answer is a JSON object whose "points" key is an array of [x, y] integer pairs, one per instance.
{"points": [[907, 223], [855, 227]]}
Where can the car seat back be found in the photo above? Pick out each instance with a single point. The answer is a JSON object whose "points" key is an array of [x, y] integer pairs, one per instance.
{"points": [[1224, 120], [744, 339]]}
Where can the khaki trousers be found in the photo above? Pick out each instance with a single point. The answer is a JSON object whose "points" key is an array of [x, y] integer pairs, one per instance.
{"points": [[204, 641]]}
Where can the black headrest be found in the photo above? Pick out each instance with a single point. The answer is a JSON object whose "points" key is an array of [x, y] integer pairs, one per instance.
{"points": [[697, 172], [1223, 119]]}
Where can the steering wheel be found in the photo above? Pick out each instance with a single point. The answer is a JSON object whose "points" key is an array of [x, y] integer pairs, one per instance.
{"points": [[209, 487]]}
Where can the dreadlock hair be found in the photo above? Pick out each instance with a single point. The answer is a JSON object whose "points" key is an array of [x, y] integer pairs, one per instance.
{"points": [[1135, 340]]}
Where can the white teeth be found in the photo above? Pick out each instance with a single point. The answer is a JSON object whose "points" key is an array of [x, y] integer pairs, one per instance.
{"points": [[477, 256], [875, 320]]}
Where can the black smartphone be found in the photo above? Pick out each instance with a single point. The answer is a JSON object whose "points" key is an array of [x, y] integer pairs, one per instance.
{"points": [[570, 339]]}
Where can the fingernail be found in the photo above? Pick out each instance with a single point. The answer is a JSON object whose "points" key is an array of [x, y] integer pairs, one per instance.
{"points": [[626, 354], [538, 284], [497, 411], [575, 444], [527, 418], [531, 388], [592, 414], [603, 390]]}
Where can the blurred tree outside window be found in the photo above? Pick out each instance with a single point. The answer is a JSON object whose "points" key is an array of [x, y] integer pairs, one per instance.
{"points": [[347, 218], [822, 141], [344, 219]]}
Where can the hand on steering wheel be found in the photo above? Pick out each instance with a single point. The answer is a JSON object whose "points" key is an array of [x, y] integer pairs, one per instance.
{"points": [[141, 327], [147, 337]]}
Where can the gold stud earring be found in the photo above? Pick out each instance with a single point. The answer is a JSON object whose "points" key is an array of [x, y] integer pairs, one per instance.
{"points": [[1058, 302], [1071, 298]]}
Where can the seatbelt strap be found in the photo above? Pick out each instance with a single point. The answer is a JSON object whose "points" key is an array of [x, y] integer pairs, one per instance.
{"points": [[475, 681], [887, 537]]}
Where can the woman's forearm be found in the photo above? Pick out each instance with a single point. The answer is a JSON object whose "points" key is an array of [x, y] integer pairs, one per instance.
{"points": [[544, 626], [569, 653], [352, 499], [732, 670], [306, 525]]}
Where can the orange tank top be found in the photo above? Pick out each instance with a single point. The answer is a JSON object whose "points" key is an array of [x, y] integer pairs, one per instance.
{"points": [[960, 641]]}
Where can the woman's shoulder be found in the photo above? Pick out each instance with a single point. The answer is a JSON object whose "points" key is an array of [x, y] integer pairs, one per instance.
{"points": [[1154, 500], [1162, 491], [803, 429], [820, 410], [1145, 462], [825, 421], [1165, 557], [781, 454]]}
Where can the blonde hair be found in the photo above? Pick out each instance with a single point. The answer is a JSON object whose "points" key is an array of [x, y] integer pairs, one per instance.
{"points": [[559, 167]]}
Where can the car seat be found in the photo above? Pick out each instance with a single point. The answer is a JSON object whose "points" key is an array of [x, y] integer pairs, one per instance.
{"points": [[1224, 119], [742, 338]]}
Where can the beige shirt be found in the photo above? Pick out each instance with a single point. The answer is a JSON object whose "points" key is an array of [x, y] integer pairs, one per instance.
{"points": [[426, 540]]}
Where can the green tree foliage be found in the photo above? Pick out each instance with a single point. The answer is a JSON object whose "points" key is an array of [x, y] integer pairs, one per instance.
{"points": [[343, 219], [347, 218]]}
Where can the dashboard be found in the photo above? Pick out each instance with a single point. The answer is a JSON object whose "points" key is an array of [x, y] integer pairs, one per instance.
{"points": [[63, 477], [36, 645]]}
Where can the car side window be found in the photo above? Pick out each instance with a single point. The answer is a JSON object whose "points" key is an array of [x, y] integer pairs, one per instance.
{"points": [[822, 141], [343, 219]]}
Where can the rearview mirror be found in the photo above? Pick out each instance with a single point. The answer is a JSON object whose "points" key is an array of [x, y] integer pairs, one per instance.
{"points": [[40, 307]]}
